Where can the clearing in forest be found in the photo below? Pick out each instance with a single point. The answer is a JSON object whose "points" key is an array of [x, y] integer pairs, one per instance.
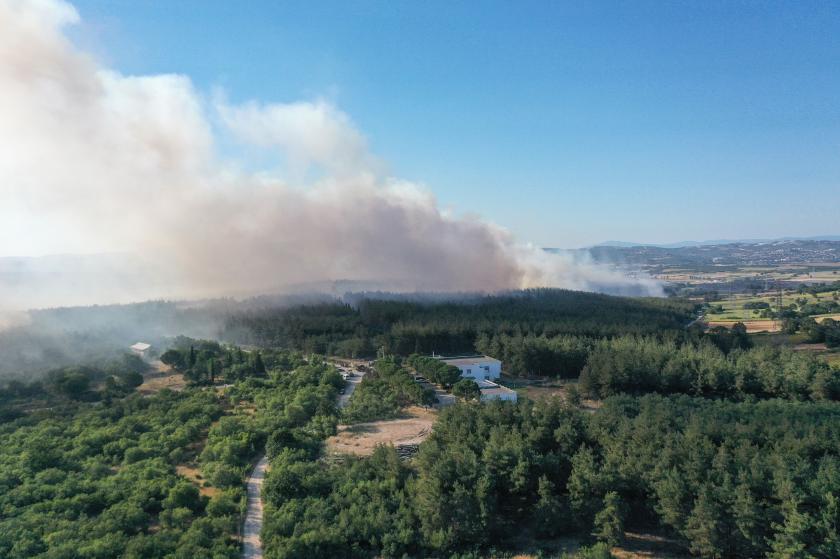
{"points": [[636, 545], [159, 377], [193, 474], [361, 439], [556, 390]]}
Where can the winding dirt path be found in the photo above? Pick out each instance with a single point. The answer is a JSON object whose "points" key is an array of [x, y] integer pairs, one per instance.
{"points": [[251, 544], [349, 387]]}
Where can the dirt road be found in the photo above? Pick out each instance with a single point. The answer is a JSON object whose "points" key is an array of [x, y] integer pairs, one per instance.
{"points": [[251, 544], [444, 398], [344, 399]]}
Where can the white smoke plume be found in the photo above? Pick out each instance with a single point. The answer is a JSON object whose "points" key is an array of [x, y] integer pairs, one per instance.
{"points": [[95, 161]]}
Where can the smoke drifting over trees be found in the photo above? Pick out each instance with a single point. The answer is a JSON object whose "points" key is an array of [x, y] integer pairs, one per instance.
{"points": [[95, 161]]}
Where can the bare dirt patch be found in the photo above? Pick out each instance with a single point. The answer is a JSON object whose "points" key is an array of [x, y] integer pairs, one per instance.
{"points": [[537, 392], [525, 547], [753, 326], [192, 473], [362, 438], [822, 351], [810, 347], [638, 545], [832, 358], [160, 377]]}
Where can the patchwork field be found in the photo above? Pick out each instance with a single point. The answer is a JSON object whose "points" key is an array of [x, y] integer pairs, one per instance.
{"points": [[732, 308], [828, 272]]}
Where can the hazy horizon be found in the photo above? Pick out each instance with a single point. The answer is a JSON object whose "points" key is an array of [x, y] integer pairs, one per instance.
{"points": [[222, 178], [675, 242], [216, 196]]}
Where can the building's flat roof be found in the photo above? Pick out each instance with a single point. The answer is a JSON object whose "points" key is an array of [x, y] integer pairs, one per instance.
{"points": [[497, 391], [484, 383], [141, 346], [470, 360], [491, 388]]}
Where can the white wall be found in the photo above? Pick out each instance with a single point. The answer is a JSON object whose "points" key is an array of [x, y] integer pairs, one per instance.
{"points": [[506, 396], [481, 369]]}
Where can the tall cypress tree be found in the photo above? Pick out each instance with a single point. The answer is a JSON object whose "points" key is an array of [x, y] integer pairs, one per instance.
{"points": [[609, 521], [550, 515], [259, 366], [791, 539], [703, 527], [211, 370]]}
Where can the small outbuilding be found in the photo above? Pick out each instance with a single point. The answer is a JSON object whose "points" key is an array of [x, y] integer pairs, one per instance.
{"points": [[492, 391], [141, 349]]}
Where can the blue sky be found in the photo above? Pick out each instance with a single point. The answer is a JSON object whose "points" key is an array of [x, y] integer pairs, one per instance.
{"points": [[567, 124]]}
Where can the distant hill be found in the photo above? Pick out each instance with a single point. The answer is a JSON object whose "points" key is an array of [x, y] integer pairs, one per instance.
{"points": [[119, 278], [747, 253], [716, 242], [80, 279]]}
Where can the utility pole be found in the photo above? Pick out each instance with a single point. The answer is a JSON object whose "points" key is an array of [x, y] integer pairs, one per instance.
{"points": [[777, 323]]}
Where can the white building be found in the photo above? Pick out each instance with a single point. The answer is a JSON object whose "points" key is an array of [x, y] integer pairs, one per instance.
{"points": [[480, 367], [492, 391], [141, 349]]}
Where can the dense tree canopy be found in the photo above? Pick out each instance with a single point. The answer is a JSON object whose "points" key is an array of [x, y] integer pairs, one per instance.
{"points": [[405, 327], [92, 481], [435, 370], [384, 391], [94, 471], [640, 365], [491, 473], [728, 449]]}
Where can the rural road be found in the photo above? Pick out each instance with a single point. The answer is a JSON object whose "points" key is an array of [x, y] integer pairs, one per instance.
{"points": [[344, 399], [251, 544]]}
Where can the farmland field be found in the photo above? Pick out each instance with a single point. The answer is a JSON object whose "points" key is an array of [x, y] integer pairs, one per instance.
{"points": [[732, 307]]}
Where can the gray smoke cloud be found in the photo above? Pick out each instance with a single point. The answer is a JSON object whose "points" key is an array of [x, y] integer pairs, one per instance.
{"points": [[94, 161]]}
